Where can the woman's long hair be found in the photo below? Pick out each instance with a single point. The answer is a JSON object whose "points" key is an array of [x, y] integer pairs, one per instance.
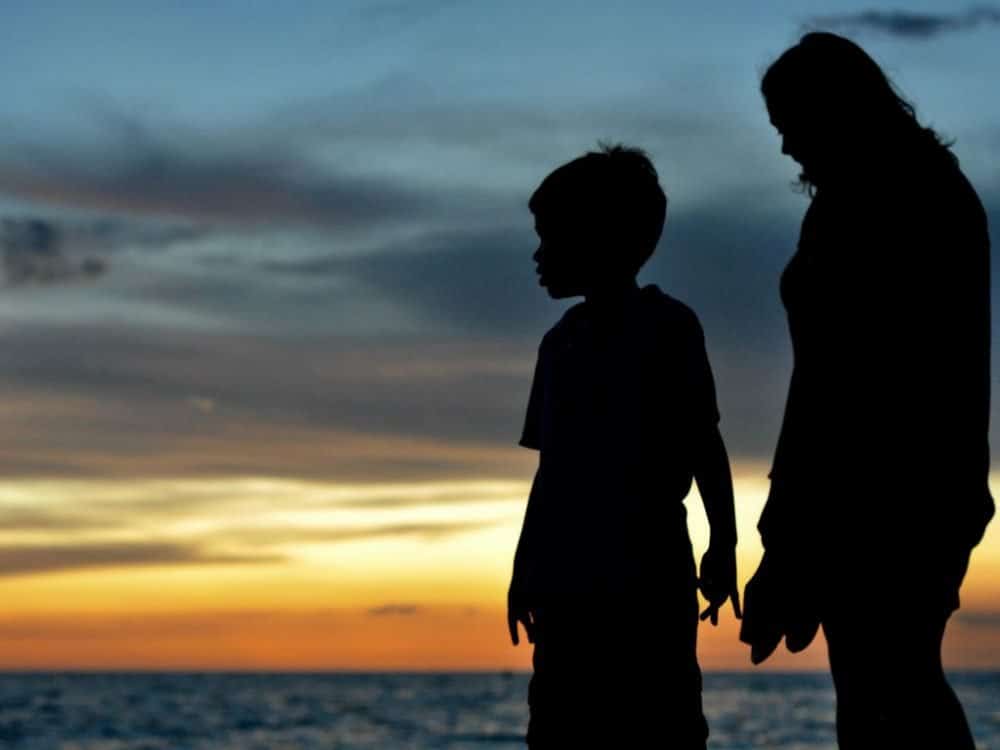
{"points": [[837, 82]]}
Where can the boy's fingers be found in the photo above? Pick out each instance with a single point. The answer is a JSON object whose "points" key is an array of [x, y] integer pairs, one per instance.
{"points": [[712, 610], [512, 627], [708, 588]]}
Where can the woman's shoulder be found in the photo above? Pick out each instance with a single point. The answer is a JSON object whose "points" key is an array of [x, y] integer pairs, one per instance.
{"points": [[938, 206], [929, 197], [937, 183]]}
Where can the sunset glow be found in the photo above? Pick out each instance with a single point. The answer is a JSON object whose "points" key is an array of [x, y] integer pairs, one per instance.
{"points": [[269, 573]]}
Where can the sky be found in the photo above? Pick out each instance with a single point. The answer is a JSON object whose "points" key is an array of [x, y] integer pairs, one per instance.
{"points": [[269, 314]]}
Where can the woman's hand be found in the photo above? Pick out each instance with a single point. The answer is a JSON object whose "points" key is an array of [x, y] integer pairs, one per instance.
{"points": [[779, 604], [717, 581], [763, 627]]}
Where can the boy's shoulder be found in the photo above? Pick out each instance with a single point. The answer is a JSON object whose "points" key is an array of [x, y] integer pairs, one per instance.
{"points": [[663, 309], [655, 314], [571, 320], [666, 326]]}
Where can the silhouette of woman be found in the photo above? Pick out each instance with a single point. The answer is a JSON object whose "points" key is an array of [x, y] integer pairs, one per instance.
{"points": [[879, 480]]}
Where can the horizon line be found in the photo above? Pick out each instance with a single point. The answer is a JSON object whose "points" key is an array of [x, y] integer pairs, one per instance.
{"points": [[992, 670]]}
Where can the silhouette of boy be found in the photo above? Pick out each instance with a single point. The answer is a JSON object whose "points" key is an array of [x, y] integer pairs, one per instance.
{"points": [[623, 413]]}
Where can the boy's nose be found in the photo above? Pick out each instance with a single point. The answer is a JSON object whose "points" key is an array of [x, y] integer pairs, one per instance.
{"points": [[537, 255]]}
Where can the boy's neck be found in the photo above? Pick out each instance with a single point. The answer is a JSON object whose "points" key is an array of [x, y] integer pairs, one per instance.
{"points": [[609, 299]]}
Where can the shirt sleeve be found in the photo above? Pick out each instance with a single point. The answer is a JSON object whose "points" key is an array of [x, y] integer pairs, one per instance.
{"points": [[697, 384], [531, 435]]}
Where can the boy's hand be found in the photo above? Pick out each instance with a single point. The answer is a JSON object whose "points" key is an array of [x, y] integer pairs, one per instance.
{"points": [[519, 611], [717, 581]]}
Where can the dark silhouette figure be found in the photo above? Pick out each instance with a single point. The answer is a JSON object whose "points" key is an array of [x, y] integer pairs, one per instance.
{"points": [[623, 412], [879, 481]]}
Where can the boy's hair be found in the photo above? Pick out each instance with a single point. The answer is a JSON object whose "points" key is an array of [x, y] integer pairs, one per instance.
{"points": [[615, 189]]}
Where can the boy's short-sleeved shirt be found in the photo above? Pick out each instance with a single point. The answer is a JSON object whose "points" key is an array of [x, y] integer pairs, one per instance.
{"points": [[615, 411]]}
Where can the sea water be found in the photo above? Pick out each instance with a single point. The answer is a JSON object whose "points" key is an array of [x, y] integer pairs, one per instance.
{"points": [[333, 711]]}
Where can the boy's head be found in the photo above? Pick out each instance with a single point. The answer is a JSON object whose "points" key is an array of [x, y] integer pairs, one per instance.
{"points": [[598, 220]]}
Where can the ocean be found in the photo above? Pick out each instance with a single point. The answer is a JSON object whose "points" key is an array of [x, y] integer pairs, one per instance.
{"points": [[334, 711]]}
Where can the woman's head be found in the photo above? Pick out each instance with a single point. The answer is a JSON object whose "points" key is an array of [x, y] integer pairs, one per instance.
{"points": [[837, 110]]}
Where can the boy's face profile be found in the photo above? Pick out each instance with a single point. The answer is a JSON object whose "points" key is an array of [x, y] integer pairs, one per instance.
{"points": [[562, 258]]}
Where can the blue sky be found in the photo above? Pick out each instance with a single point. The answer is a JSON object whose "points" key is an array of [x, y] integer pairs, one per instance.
{"points": [[344, 185]]}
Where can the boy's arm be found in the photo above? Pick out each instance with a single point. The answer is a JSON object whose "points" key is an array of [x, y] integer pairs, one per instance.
{"points": [[526, 541], [715, 485], [519, 600], [717, 579]]}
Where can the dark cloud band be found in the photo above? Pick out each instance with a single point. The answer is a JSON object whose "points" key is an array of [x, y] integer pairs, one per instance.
{"points": [[24, 559], [907, 24]]}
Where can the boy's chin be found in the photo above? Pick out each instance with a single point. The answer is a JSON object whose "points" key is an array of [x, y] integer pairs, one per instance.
{"points": [[561, 292]]}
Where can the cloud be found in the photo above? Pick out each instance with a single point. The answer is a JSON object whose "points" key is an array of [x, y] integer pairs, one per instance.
{"points": [[462, 495], [444, 400], [50, 249], [145, 626], [394, 610], [907, 24], [35, 519], [979, 619], [282, 534], [343, 162], [158, 505], [723, 256], [127, 438], [113, 400], [32, 252], [206, 181], [134, 524], [24, 559], [408, 115], [150, 626], [472, 281], [202, 404]]}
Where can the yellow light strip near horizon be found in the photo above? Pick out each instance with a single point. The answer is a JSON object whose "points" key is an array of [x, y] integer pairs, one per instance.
{"points": [[394, 568]]}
